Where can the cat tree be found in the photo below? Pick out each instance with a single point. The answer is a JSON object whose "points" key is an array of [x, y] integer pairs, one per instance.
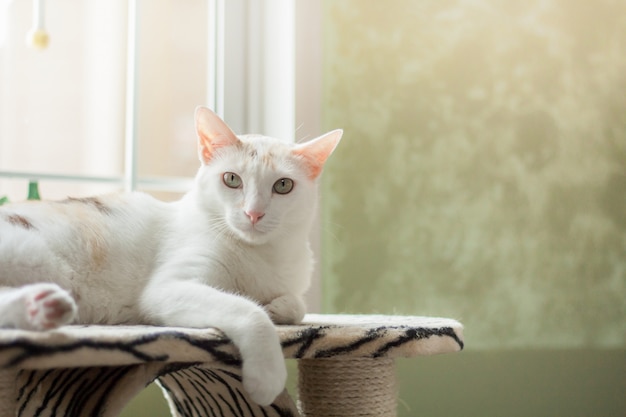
{"points": [[346, 367]]}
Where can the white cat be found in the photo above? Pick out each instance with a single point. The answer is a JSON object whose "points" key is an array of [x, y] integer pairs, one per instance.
{"points": [[230, 252]]}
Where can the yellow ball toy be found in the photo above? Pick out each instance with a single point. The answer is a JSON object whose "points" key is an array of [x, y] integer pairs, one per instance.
{"points": [[38, 39]]}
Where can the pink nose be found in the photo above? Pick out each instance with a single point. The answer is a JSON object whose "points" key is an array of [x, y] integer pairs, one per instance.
{"points": [[255, 216]]}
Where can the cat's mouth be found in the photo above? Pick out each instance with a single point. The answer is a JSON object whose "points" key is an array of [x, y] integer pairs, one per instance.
{"points": [[252, 233]]}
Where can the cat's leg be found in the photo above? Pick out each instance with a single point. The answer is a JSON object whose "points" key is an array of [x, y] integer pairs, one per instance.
{"points": [[286, 309], [192, 304], [36, 307]]}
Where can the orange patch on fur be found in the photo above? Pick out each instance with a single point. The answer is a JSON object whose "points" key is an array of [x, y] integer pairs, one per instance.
{"points": [[268, 159], [95, 244], [17, 220], [92, 201], [98, 252]]}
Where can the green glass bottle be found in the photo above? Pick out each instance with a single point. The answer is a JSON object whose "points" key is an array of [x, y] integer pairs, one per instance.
{"points": [[33, 191]]}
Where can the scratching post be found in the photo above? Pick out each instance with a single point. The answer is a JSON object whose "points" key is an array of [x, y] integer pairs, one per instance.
{"points": [[347, 387], [346, 365]]}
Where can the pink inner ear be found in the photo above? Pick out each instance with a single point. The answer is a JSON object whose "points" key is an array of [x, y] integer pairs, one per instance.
{"points": [[317, 151], [314, 165], [213, 133], [208, 145], [205, 153]]}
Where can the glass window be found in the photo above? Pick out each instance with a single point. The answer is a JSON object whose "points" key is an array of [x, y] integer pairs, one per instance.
{"points": [[65, 110]]}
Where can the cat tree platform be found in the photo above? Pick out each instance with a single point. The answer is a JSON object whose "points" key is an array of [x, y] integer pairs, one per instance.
{"points": [[345, 363]]}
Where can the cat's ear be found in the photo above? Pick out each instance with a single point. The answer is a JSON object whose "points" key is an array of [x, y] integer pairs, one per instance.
{"points": [[213, 133], [316, 151]]}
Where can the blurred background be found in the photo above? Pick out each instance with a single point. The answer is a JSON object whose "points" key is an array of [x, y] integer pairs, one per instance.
{"points": [[482, 173]]}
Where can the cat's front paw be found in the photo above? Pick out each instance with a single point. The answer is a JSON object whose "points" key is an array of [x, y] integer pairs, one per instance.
{"points": [[48, 306], [286, 309], [264, 376]]}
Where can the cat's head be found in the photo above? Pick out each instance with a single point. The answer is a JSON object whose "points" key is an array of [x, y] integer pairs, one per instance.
{"points": [[261, 188]]}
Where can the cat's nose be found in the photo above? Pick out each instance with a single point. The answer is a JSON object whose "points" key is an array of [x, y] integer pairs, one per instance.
{"points": [[254, 216]]}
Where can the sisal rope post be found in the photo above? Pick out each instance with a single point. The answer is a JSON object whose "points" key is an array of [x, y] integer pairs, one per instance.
{"points": [[347, 387], [7, 392]]}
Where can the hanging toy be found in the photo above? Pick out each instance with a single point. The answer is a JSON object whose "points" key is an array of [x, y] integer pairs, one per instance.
{"points": [[37, 37]]}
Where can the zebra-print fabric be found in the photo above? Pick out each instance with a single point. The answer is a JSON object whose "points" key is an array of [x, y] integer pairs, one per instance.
{"points": [[328, 336], [191, 390], [96, 370], [202, 391]]}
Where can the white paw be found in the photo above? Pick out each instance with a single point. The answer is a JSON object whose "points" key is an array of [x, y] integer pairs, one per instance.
{"points": [[264, 376], [48, 306], [286, 309], [264, 372]]}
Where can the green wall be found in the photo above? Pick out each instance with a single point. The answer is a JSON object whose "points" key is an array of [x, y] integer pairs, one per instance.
{"points": [[529, 383], [482, 176]]}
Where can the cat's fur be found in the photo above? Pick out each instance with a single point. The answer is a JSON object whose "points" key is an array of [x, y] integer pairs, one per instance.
{"points": [[220, 257]]}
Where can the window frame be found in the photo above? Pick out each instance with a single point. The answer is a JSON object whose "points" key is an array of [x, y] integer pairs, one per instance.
{"points": [[269, 45]]}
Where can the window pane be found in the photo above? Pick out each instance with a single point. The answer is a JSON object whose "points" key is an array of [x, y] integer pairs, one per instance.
{"points": [[172, 71], [62, 108]]}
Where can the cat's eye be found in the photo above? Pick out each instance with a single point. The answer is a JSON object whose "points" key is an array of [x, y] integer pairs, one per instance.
{"points": [[283, 186], [232, 180]]}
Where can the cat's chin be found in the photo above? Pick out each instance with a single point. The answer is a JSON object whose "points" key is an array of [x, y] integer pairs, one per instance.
{"points": [[253, 236]]}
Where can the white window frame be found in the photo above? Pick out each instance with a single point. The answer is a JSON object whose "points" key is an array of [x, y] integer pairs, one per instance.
{"points": [[269, 46]]}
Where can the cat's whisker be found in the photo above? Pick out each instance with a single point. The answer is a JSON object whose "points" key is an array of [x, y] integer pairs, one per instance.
{"points": [[302, 139], [329, 228], [219, 226]]}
